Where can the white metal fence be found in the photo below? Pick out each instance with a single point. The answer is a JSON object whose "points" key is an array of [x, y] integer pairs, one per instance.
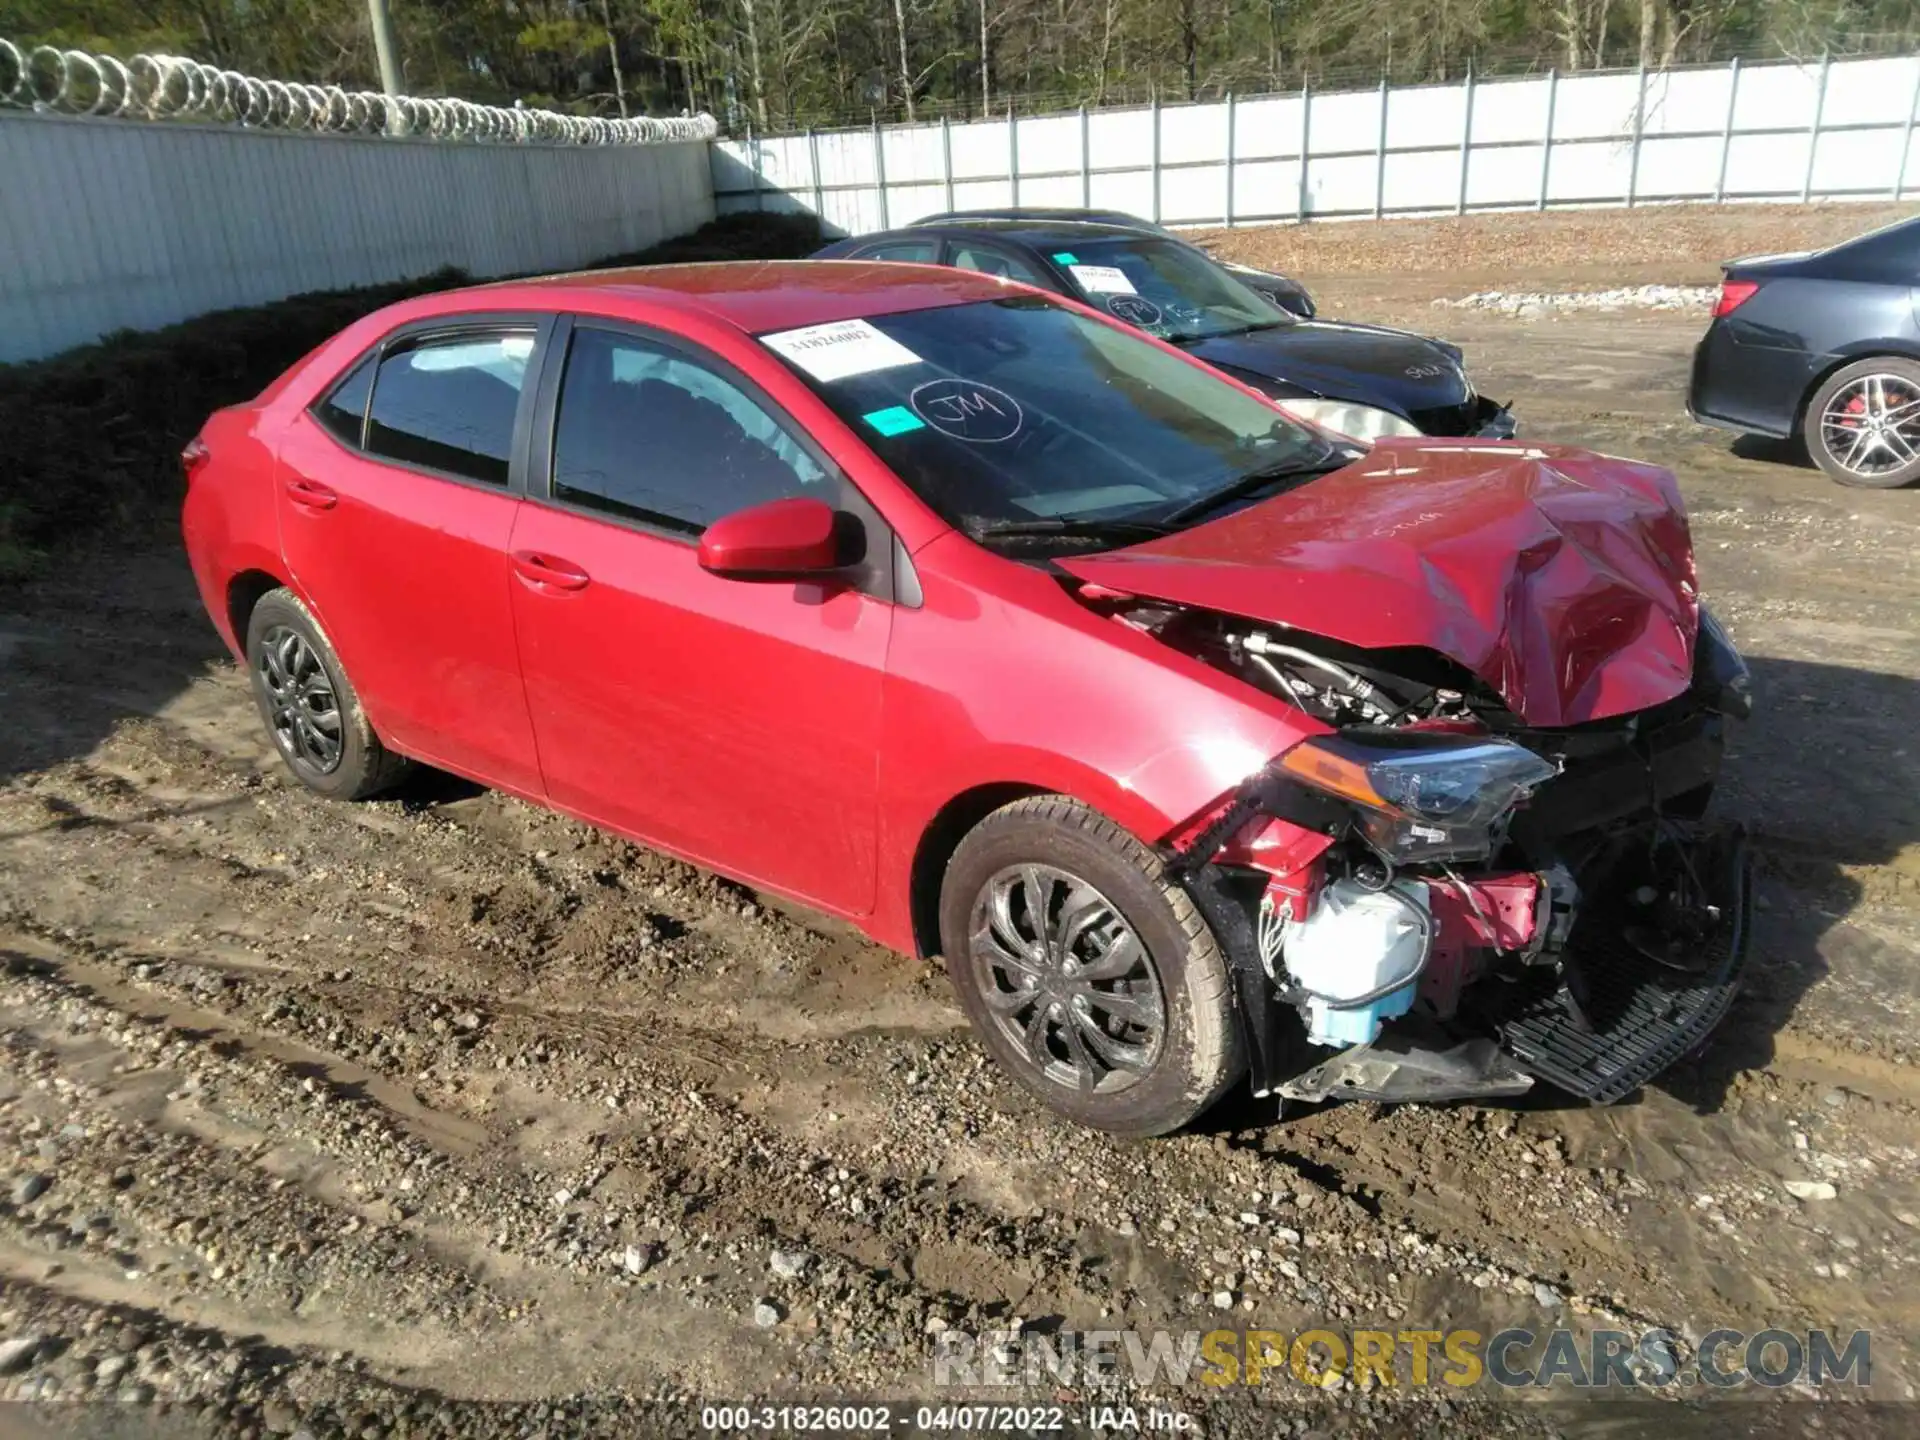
{"points": [[1839, 130], [112, 224]]}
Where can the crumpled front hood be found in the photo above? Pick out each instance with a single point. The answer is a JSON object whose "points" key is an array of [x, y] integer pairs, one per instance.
{"points": [[1392, 368], [1563, 579]]}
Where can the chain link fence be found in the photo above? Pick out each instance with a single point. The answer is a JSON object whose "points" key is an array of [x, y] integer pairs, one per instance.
{"points": [[47, 79]]}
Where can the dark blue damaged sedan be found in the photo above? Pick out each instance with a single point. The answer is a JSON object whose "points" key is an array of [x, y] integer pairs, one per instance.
{"points": [[1365, 381]]}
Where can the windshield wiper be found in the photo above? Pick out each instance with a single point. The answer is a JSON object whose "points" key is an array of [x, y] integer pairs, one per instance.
{"points": [[1254, 481], [1252, 329], [1066, 527], [1200, 337]]}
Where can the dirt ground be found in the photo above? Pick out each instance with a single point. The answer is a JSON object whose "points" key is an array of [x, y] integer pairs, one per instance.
{"points": [[342, 1117]]}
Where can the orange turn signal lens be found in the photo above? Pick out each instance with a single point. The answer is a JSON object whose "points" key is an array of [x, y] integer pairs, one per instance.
{"points": [[1325, 770]]}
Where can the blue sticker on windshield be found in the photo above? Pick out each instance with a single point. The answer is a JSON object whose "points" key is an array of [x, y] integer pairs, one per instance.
{"points": [[894, 420], [1065, 257]]}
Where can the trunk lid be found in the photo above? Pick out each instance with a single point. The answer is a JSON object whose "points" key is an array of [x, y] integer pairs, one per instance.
{"points": [[1563, 579]]}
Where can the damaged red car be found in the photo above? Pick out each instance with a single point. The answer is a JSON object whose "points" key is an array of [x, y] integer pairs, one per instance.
{"points": [[1200, 742]]}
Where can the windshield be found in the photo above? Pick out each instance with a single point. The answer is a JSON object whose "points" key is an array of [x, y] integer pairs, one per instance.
{"points": [[1017, 411], [1166, 288]]}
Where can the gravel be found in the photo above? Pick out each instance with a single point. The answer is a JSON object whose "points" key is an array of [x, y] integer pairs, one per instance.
{"points": [[720, 1087]]}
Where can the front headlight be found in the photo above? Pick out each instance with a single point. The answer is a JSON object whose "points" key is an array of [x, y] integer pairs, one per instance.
{"points": [[1422, 797], [1723, 668], [1362, 422]]}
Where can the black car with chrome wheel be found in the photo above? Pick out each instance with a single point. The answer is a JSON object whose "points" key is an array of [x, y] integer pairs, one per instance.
{"points": [[1822, 347]]}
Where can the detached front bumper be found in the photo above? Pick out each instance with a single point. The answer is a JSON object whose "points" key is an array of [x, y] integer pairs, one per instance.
{"points": [[1496, 422], [1624, 1004], [1475, 418], [1595, 989], [1632, 1002]]}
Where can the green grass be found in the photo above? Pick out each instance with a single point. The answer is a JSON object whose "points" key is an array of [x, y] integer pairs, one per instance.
{"points": [[98, 430]]}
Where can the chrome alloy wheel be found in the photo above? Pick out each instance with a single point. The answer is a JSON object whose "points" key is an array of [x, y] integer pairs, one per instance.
{"points": [[1066, 979], [1871, 426], [301, 704]]}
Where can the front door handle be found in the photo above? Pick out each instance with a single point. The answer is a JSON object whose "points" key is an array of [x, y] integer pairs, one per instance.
{"points": [[548, 572], [311, 494]]}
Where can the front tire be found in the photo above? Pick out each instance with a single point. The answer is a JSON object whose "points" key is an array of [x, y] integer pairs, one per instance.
{"points": [[310, 707], [1092, 979], [1863, 424]]}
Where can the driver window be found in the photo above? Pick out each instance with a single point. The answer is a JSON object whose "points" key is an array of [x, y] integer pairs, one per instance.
{"points": [[646, 433], [990, 261]]}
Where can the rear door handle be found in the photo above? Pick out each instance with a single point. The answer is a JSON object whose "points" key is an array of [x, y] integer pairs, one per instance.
{"points": [[311, 494], [548, 572]]}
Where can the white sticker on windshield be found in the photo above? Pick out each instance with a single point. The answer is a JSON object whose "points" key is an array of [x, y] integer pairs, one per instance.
{"points": [[1102, 279], [843, 348]]}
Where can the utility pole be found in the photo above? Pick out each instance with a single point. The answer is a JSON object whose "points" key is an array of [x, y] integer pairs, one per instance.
{"points": [[388, 55]]}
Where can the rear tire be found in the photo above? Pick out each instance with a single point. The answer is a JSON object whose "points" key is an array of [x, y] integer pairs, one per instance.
{"points": [[1862, 425], [312, 712], [1116, 1011]]}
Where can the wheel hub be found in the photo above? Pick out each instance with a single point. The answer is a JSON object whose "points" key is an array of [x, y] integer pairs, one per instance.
{"points": [[1067, 979], [300, 701], [1871, 426]]}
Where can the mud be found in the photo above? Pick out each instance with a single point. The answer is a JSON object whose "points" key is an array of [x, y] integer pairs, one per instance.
{"points": [[352, 1117]]}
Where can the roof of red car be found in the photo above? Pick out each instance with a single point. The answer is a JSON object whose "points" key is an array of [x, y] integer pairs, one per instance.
{"points": [[763, 295]]}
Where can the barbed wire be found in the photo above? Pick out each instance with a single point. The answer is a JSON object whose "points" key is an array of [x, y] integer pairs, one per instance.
{"points": [[47, 78]]}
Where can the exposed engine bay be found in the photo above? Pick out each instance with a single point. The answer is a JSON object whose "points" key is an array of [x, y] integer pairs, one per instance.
{"points": [[1331, 682], [1493, 903]]}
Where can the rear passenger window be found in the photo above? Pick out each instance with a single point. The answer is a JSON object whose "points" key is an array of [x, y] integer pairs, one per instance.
{"points": [[647, 433], [989, 260], [448, 402], [912, 252], [344, 411]]}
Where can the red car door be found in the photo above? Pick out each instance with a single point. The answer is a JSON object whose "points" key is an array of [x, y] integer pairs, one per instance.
{"points": [[397, 500], [735, 723]]}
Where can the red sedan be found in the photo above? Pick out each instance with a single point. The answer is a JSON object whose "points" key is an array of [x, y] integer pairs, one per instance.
{"points": [[1196, 739]]}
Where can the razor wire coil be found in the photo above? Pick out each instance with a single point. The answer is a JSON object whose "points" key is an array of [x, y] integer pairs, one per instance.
{"points": [[49, 79]]}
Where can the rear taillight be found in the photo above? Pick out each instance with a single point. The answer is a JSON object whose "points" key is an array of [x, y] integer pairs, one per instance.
{"points": [[194, 458], [1733, 294]]}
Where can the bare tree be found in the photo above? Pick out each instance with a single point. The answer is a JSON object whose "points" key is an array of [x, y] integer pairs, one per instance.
{"points": [[986, 63], [613, 58], [906, 72], [755, 74]]}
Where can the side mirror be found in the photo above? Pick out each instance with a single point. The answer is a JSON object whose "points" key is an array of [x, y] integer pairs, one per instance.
{"points": [[780, 540]]}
